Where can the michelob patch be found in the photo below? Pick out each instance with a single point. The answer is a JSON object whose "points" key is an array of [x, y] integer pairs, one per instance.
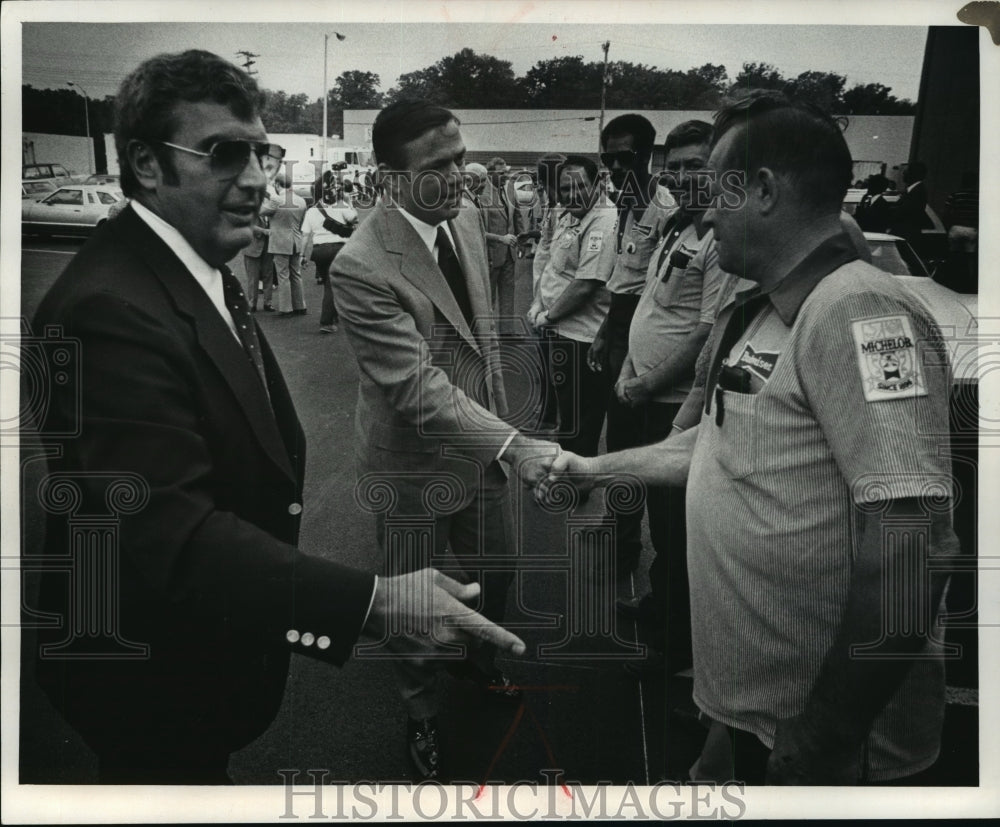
{"points": [[595, 241], [887, 358], [759, 362]]}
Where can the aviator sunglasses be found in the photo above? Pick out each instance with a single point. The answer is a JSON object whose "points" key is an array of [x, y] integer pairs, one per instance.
{"points": [[624, 157], [230, 158]]}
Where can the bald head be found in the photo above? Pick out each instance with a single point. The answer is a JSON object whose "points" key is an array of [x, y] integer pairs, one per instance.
{"points": [[475, 177]]}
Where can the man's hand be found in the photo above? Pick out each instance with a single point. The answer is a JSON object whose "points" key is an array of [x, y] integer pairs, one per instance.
{"points": [[809, 754], [510, 240], [531, 458], [567, 467], [598, 352], [423, 612], [632, 392]]}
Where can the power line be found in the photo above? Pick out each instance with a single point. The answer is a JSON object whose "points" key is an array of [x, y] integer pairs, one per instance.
{"points": [[247, 62]]}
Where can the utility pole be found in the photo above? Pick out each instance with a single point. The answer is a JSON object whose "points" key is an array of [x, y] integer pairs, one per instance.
{"points": [[86, 116], [604, 87], [247, 62], [326, 47]]}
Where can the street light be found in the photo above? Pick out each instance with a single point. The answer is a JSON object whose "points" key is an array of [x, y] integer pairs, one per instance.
{"points": [[326, 42], [86, 115]]}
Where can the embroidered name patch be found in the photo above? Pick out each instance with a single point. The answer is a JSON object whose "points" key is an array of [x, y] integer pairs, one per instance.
{"points": [[887, 358], [595, 241], [759, 362]]}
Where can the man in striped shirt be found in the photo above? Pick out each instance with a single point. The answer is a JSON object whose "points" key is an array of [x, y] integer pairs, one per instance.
{"points": [[816, 487]]}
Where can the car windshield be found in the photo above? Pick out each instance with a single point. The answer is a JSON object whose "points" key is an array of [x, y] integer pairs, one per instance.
{"points": [[896, 258]]}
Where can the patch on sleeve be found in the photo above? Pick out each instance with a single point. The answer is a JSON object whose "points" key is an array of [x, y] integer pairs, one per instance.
{"points": [[887, 358], [595, 241]]}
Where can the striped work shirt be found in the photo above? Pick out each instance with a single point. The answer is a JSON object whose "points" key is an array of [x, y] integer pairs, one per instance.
{"points": [[847, 402]]}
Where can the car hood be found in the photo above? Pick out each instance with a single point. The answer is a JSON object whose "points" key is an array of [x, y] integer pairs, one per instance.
{"points": [[956, 316]]}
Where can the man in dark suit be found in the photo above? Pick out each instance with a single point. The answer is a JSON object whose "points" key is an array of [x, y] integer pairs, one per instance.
{"points": [[413, 294], [909, 214], [178, 654]]}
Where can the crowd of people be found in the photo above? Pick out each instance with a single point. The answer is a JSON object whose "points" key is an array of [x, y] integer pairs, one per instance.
{"points": [[780, 399]]}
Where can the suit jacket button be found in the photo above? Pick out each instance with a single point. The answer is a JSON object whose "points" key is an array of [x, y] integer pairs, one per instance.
{"points": [[292, 635], [295, 509], [308, 638], [323, 642]]}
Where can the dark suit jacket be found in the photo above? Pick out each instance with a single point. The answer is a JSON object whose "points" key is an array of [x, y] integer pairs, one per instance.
{"points": [[210, 578]]}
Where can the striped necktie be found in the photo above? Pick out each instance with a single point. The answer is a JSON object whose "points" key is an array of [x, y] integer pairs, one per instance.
{"points": [[236, 302]]}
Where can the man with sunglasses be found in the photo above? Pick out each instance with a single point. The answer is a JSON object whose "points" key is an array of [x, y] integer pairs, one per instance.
{"points": [[182, 432], [626, 149], [819, 482]]}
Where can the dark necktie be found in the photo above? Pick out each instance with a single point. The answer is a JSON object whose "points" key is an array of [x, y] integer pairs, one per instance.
{"points": [[236, 302], [452, 269]]}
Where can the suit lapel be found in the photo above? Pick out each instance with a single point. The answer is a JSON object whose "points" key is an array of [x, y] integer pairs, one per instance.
{"points": [[417, 265], [214, 335]]}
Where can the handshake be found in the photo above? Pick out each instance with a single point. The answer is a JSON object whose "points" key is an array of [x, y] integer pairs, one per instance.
{"points": [[542, 466]]}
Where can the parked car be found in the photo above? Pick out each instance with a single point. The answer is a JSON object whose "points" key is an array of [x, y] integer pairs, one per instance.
{"points": [[37, 190], [56, 173], [104, 178], [71, 210], [955, 313]]}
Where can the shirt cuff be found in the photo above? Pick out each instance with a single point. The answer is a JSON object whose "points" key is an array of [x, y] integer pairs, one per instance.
{"points": [[371, 602], [505, 446]]}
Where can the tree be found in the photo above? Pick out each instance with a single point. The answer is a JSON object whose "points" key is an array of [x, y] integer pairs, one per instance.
{"points": [[353, 89], [758, 76], [824, 89], [282, 112], [464, 80], [875, 99], [564, 83]]}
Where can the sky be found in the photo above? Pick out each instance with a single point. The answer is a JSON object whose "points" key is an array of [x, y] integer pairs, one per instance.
{"points": [[96, 56]]}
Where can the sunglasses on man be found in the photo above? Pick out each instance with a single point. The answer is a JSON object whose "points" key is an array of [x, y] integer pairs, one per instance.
{"points": [[624, 157], [229, 158]]}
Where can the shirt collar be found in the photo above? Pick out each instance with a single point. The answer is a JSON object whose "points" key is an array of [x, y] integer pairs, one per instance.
{"points": [[427, 232], [203, 272], [788, 295]]}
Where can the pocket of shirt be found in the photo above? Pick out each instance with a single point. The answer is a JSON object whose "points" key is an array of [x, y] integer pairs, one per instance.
{"points": [[738, 435]]}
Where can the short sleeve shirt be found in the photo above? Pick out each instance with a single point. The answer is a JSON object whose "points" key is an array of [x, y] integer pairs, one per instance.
{"points": [[848, 406], [582, 248], [680, 292], [638, 240]]}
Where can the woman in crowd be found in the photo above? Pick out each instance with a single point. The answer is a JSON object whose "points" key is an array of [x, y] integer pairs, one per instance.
{"points": [[326, 227]]}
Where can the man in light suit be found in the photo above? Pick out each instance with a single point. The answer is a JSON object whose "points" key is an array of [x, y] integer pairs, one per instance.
{"points": [[412, 290], [182, 426], [286, 209]]}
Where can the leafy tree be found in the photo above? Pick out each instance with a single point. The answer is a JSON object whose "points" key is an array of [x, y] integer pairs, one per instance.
{"points": [[282, 112], [875, 99], [564, 83], [464, 80], [825, 89], [353, 89], [758, 76]]}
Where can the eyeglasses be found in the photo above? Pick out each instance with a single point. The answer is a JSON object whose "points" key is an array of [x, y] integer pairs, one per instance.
{"points": [[624, 157], [230, 158]]}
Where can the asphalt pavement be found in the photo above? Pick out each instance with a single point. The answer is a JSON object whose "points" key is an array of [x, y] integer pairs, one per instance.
{"points": [[582, 714]]}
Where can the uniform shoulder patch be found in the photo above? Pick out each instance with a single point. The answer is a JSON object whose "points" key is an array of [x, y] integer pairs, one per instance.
{"points": [[595, 241], [887, 358]]}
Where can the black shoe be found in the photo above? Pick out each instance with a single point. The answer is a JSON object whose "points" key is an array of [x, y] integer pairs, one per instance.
{"points": [[268, 308], [422, 739], [494, 684], [301, 312]]}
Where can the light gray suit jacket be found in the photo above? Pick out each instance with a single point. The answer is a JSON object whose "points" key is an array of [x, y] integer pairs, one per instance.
{"points": [[430, 385], [286, 223]]}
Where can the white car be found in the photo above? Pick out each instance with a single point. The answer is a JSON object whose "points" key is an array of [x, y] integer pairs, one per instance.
{"points": [[955, 313], [75, 209]]}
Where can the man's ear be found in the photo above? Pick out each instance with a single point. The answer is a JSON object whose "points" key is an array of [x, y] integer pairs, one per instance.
{"points": [[145, 165], [390, 180], [768, 189]]}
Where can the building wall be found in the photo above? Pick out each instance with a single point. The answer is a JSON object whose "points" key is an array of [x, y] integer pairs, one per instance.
{"points": [[74, 152], [522, 135]]}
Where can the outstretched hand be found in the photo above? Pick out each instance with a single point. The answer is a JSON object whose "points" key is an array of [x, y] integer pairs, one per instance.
{"points": [[531, 458], [568, 467], [424, 612]]}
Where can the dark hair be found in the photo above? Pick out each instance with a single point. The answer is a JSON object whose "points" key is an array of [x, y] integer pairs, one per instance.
{"points": [[403, 121], [918, 169], [548, 168], [642, 131], [144, 107], [688, 133], [580, 161], [791, 137]]}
